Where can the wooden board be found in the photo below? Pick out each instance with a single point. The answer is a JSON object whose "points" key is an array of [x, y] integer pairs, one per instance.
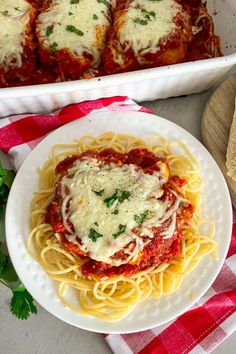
{"points": [[216, 122]]}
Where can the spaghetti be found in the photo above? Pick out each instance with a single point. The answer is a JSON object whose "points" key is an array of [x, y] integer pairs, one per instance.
{"points": [[111, 296]]}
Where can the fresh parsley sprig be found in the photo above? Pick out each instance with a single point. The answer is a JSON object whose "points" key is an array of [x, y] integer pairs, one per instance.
{"points": [[22, 303]]}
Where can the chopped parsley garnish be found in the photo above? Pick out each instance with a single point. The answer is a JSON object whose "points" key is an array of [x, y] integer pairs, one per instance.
{"points": [[123, 195], [17, 8], [147, 16], [140, 21], [122, 229], [74, 1], [49, 30], [139, 219], [119, 195], [104, 2], [96, 223], [99, 192], [73, 29], [4, 13], [109, 201], [53, 47], [94, 235], [95, 17], [70, 13]]}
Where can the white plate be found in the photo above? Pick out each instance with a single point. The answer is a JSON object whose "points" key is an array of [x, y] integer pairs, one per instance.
{"points": [[216, 205]]}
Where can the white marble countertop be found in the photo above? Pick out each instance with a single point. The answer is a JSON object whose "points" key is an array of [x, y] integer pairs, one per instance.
{"points": [[43, 333]]}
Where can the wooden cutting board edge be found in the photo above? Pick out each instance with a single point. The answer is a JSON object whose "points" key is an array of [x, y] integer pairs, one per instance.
{"points": [[215, 126]]}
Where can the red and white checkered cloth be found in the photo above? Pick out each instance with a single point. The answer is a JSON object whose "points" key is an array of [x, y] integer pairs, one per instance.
{"points": [[201, 328]]}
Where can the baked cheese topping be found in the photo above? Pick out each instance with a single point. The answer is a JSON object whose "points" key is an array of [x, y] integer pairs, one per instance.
{"points": [[146, 24], [14, 17], [107, 202], [78, 25]]}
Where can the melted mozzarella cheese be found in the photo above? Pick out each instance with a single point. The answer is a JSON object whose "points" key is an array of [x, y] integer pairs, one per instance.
{"points": [[146, 24], [89, 17], [88, 211], [14, 17]]}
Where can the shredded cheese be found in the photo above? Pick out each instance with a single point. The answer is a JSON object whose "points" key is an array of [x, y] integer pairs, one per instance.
{"points": [[14, 17], [79, 26], [88, 193]]}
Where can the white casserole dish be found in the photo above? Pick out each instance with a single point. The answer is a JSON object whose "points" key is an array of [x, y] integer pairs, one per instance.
{"points": [[149, 84]]}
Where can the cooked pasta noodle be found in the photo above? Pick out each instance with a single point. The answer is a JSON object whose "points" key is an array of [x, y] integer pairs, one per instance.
{"points": [[111, 299]]}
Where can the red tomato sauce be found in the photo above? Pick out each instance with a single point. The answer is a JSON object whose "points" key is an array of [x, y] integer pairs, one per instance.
{"points": [[158, 250]]}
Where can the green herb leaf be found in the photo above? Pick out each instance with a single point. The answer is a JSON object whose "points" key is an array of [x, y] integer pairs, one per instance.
{"points": [[109, 201], [49, 30], [2, 207], [2, 175], [152, 13], [123, 195], [148, 14], [140, 21], [74, 1], [70, 13], [122, 229], [95, 17], [4, 13], [104, 2], [3, 262], [119, 194], [53, 47], [139, 219], [4, 191], [17, 8], [7, 272], [71, 28], [22, 303], [99, 192], [9, 177], [94, 235]]}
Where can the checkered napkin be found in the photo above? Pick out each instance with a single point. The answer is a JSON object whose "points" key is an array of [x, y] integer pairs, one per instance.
{"points": [[212, 318]]}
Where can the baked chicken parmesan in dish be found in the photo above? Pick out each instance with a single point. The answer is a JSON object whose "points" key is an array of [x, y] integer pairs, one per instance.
{"points": [[149, 33], [45, 41], [118, 220], [17, 44], [72, 35]]}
